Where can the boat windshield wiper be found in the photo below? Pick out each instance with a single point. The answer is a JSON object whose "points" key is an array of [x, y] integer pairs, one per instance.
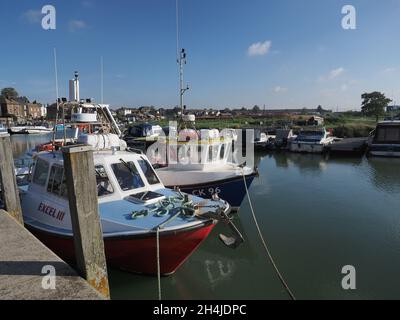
{"points": [[127, 165]]}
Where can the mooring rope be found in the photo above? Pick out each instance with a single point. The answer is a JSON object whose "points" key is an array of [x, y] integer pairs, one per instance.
{"points": [[264, 242], [158, 265]]}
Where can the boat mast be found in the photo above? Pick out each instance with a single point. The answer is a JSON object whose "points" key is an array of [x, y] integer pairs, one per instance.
{"points": [[181, 60], [58, 99]]}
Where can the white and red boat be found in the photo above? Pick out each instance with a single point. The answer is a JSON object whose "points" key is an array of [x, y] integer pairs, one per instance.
{"points": [[133, 204]]}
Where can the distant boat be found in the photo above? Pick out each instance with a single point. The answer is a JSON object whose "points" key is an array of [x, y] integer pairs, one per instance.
{"points": [[30, 130], [384, 141], [142, 135], [348, 145], [262, 139], [283, 138], [3, 129], [311, 141]]}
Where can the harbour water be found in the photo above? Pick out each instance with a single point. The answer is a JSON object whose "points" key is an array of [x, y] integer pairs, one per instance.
{"points": [[317, 214]]}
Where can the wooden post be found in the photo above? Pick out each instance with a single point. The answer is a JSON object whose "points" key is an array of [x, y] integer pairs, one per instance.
{"points": [[8, 181], [86, 226]]}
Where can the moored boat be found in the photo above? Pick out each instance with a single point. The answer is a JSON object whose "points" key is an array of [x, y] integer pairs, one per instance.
{"points": [[384, 141], [133, 204], [200, 163], [311, 141]]}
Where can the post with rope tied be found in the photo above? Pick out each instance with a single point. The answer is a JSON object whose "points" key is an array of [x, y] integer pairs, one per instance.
{"points": [[86, 226]]}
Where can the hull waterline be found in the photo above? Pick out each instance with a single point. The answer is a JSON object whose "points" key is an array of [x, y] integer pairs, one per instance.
{"points": [[138, 254]]}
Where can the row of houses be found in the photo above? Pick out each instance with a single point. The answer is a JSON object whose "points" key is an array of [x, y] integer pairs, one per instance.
{"points": [[21, 112]]}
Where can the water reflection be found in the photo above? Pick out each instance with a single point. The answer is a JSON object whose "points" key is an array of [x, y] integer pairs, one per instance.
{"points": [[384, 174], [305, 204]]}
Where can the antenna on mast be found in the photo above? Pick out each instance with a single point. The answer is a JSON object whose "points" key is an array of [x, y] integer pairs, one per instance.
{"points": [[57, 101], [102, 79], [181, 60]]}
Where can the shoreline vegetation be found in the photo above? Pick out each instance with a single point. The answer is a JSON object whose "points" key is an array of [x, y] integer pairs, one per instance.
{"points": [[343, 125]]}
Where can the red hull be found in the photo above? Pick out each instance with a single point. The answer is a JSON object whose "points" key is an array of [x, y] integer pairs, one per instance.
{"points": [[138, 254]]}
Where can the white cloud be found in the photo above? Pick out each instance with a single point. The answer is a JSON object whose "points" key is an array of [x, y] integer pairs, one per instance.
{"points": [[335, 73], [87, 4], [389, 70], [279, 89], [259, 48], [32, 16], [332, 74], [75, 25]]}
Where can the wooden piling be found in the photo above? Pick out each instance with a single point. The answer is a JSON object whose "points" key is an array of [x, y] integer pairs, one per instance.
{"points": [[83, 204], [8, 181]]}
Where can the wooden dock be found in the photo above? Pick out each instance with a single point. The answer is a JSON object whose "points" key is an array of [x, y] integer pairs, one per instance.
{"points": [[22, 260]]}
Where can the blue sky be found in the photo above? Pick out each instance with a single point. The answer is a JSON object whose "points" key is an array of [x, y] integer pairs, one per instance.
{"points": [[302, 57]]}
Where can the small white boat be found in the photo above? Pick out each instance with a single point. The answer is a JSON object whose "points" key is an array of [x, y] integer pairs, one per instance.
{"points": [[311, 141], [37, 130], [262, 139], [3, 129], [30, 130], [384, 141]]}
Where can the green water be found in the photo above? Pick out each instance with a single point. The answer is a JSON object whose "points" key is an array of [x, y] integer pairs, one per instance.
{"points": [[317, 214]]}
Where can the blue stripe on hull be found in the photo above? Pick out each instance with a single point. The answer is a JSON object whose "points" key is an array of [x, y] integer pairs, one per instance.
{"points": [[233, 191]]}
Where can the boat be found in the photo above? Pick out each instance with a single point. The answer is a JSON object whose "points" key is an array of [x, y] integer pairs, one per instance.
{"points": [[311, 141], [133, 205], [384, 141], [283, 139], [37, 130], [142, 135], [30, 130], [348, 146], [199, 163], [262, 140], [3, 129]]}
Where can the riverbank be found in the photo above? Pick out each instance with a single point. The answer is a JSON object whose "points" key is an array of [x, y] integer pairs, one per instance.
{"points": [[351, 125]]}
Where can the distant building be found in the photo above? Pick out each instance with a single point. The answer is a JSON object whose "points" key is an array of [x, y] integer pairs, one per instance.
{"points": [[13, 108], [33, 111], [123, 112]]}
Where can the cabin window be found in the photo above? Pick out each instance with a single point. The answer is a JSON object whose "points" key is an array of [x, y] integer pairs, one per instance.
{"points": [[104, 186], [41, 172], [148, 172], [57, 181], [388, 134], [127, 175], [213, 153], [222, 152]]}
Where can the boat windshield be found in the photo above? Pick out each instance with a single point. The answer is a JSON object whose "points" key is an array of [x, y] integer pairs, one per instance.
{"points": [[127, 175], [148, 172], [311, 136], [104, 186], [385, 134]]}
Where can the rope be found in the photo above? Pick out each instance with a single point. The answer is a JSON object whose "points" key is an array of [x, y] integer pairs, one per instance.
{"points": [[264, 243], [158, 265]]}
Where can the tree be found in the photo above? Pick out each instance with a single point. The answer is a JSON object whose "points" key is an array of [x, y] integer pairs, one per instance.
{"points": [[374, 104], [256, 109], [10, 93], [320, 109]]}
